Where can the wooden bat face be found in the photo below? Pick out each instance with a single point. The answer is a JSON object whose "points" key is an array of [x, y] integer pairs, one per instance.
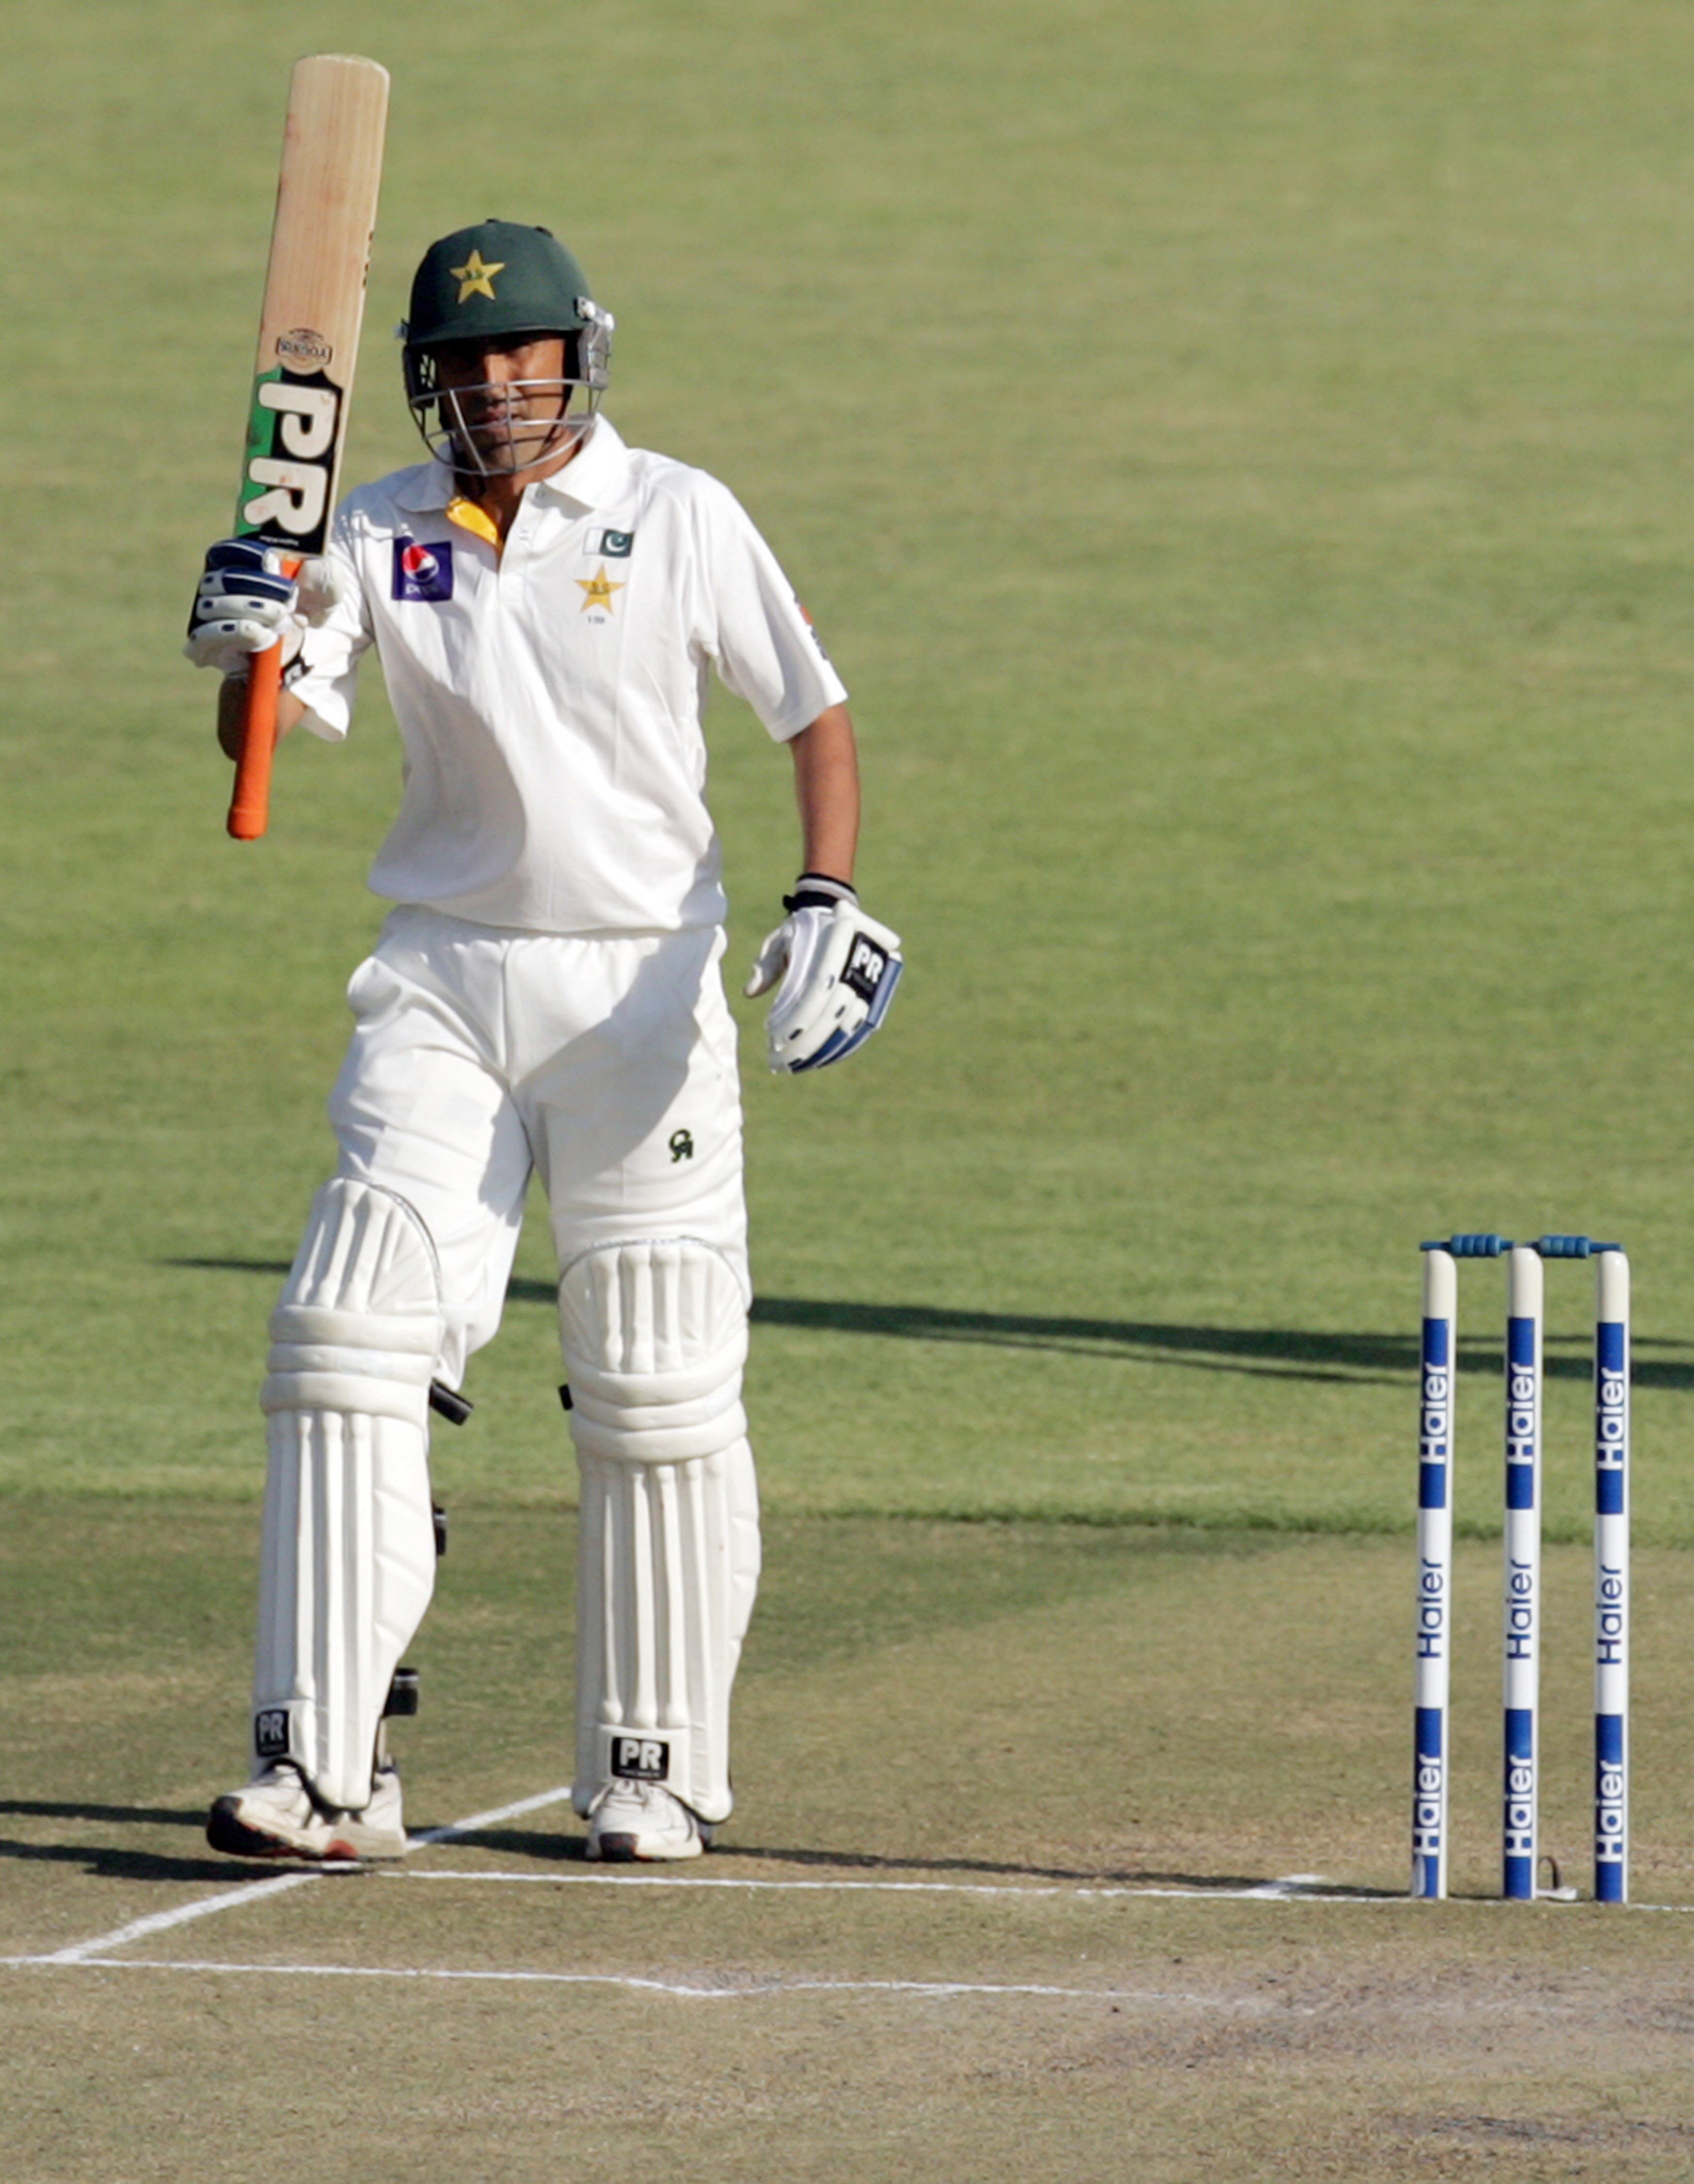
{"points": [[313, 300], [307, 345]]}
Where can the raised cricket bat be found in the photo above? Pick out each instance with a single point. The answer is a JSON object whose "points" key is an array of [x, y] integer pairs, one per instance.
{"points": [[307, 345]]}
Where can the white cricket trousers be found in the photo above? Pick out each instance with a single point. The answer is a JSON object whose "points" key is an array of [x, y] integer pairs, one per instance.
{"points": [[478, 1056], [607, 1064]]}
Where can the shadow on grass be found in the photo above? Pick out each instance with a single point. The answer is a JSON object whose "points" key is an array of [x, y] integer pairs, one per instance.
{"points": [[1129, 1876], [1274, 1352], [568, 1850], [146, 1816], [105, 1863], [558, 1849]]}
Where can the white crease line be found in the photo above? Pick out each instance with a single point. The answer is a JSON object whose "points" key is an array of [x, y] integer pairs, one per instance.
{"points": [[1264, 1892], [1267, 1892], [487, 1820], [158, 1922], [751, 1992]]}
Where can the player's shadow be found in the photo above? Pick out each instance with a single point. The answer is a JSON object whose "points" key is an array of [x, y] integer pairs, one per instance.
{"points": [[1131, 1876], [1275, 1352], [568, 1850], [105, 1861], [136, 1816], [1280, 1352]]}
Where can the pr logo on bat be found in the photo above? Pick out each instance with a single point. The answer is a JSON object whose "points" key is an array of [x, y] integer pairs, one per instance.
{"points": [[290, 446]]}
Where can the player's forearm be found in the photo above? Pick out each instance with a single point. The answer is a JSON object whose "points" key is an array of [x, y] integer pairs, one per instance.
{"points": [[233, 712], [827, 788]]}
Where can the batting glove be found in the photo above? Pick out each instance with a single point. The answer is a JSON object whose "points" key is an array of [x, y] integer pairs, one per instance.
{"points": [[244, 603], [838, 970]]}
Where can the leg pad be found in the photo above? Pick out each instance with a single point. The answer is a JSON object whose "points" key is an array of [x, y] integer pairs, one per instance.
{"points": [[348, 1559], [654, 1335]]}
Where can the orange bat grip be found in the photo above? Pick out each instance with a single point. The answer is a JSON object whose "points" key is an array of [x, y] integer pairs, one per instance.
{"points": [[250, 802]]}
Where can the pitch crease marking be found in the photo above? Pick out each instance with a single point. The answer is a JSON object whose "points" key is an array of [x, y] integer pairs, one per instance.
{"points": [[1268, 1891], [158, 1922], [753, 1992]]}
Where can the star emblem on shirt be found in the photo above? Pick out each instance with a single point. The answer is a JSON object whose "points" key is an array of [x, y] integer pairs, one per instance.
{"points": [[476, 278], [598, 589]]}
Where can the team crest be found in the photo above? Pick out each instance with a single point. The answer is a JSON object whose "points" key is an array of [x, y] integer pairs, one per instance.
{"points": [[598, 593], [476, 278], [422, 573]]}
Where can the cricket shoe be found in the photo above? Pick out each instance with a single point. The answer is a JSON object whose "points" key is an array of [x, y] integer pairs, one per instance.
{"points": [[629, 1821], [276, 1816]]}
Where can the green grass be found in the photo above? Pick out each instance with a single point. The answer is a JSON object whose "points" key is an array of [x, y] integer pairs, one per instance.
{"points": [[972, 1754], [1236, 455]]}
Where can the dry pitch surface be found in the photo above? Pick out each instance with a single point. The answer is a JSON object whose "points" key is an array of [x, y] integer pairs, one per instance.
{"points": [[1090, 1875]]}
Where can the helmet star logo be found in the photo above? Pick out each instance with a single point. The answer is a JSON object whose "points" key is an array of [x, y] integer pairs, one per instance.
{"points": [[598, 589], [475, 278]]}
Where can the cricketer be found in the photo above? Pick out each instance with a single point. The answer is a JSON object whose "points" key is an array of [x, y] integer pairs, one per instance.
{"points": [[546, 605]]}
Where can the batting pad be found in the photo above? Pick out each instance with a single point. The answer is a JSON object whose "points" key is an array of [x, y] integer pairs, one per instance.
{"points": [[655, 1336], [348, 1548]]}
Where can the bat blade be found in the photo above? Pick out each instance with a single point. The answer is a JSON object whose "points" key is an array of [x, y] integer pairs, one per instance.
{"points": [[307, 347]]}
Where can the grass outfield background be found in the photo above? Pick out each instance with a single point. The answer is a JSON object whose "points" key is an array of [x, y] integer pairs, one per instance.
{"points": [[1238, 456]]}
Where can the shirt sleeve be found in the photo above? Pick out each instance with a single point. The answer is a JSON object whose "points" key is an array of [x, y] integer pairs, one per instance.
{"points": [[331, 651], [766, 650]]}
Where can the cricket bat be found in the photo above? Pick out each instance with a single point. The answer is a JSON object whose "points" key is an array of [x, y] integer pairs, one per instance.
{"points": [[307, 345]]}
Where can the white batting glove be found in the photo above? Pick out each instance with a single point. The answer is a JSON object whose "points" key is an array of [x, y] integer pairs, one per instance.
{"points": [[244, 603], [838, 969]]}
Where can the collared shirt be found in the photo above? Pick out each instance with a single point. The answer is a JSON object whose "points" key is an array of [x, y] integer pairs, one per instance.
{"points": [[549, 696]]}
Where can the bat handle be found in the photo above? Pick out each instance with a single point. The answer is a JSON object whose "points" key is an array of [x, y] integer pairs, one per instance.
{"points": [[250, 802], [250, 799]]}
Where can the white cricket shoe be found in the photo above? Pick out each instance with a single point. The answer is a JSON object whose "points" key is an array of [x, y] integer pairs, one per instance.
{"points": [[276, 1816], [632, 1820]]}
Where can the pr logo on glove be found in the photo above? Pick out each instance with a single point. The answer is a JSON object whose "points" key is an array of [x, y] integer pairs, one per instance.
{"points": [[838, 969]]}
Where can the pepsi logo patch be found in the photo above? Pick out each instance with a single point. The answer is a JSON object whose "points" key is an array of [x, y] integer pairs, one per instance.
{"points": [[422, 573]]}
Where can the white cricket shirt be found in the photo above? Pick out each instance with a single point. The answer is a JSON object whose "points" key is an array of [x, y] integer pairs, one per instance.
{"points": [[549, 696]]}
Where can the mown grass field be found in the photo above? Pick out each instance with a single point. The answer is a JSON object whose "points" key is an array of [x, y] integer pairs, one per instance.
{"points": [[1238, 455]]}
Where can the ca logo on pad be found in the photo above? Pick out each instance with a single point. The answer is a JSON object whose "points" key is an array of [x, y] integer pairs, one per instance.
{"points": [[422, 573]]}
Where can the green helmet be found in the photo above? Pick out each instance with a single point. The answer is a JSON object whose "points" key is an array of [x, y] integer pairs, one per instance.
{"points": [[497, 279], [491, 282]]}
